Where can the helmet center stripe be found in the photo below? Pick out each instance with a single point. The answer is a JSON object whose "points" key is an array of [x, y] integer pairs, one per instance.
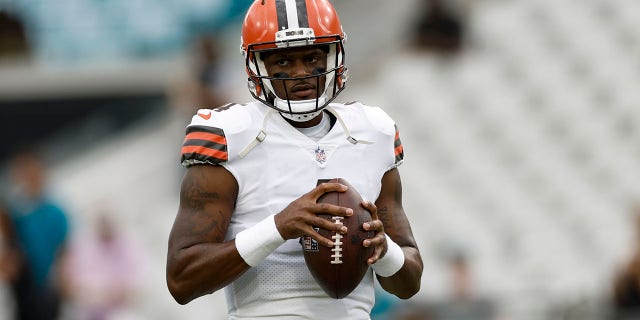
{"points": [[292, 14]]}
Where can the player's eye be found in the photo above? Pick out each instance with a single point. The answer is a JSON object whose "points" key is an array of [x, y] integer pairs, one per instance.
{"points": [[313, 59], [282, 62]]}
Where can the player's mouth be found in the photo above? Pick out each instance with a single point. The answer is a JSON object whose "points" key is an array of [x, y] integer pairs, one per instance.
{"points": [[303, 91]]}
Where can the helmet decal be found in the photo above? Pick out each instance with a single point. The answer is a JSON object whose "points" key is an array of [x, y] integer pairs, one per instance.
{"points": [[292, 14]]}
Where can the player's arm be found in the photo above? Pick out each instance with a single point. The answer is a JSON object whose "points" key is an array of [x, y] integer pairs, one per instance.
{"points": [[392, 220], [199, 261]]}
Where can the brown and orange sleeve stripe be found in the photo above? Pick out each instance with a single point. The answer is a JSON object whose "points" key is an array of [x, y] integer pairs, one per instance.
{"points": [[204, 144], [397, 145]]}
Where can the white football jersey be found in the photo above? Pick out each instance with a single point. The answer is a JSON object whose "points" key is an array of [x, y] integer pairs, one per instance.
{"points": [[274, 164]]}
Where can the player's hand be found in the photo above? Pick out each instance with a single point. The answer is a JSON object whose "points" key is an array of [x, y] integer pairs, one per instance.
{"points": [[301, 216], [378, 241]]}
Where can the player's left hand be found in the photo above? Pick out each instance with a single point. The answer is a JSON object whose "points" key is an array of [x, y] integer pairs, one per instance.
{"points": [[378, 241]]}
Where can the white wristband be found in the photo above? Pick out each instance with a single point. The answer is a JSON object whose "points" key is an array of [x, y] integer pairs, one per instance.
{"points": [[392, 260], [255, 243]]}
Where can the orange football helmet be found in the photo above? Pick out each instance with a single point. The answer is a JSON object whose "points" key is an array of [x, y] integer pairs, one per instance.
{"points": [[280, 24]]}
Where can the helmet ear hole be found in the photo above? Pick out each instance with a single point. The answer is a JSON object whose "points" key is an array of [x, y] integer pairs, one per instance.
{"points": [[342, 77], [255, 86]]}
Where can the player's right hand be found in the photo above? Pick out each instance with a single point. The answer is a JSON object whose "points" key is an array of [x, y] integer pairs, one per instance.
{"points": [[301, 216]]}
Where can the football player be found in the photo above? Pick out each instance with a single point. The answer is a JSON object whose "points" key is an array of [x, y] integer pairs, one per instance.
{"points": [[251, 185]]}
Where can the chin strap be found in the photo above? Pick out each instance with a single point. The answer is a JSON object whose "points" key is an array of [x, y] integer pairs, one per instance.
{"points": [[300, 106], [301, 117]]}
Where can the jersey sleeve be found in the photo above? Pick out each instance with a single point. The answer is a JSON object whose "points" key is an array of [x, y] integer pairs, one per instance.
{"points": [[397, 148], [204, 145], [215, 136]]}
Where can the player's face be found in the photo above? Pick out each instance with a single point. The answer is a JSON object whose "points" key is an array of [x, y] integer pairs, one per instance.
{"points": [[297, 63]]}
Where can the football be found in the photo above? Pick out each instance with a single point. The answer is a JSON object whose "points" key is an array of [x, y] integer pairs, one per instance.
{"points": [[340, 269]]}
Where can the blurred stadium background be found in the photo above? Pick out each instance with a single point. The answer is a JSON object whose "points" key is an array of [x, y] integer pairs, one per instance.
{"points": [[522, 149]]}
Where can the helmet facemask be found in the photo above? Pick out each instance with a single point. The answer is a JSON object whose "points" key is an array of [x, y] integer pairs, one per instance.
{"points": [[261, 85]]}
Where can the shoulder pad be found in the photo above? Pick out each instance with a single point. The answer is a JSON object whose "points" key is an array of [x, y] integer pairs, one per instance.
{"points": [[209, 131], [379, 119], [232, 118]]}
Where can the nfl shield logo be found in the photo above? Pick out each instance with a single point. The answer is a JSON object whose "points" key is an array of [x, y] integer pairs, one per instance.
{"points": [[308, 244], [321, 156]]}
